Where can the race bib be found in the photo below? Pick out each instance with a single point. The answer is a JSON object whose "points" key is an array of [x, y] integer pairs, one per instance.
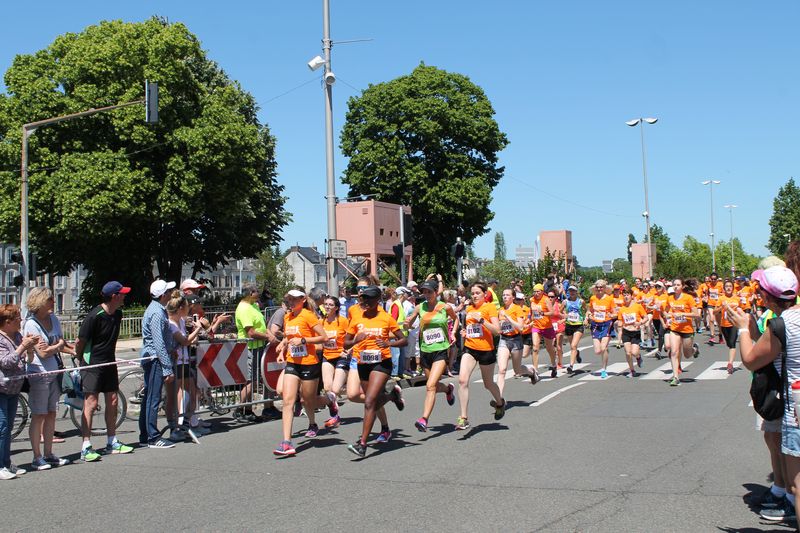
{"points": [[743, 300], [537, 315], [474, 331], [370, 356], [713, 294], [678, 318], [628, 318], [574, 316], [506, 327], [599, 316], [433, 336], [298, 351], [330, 344]]}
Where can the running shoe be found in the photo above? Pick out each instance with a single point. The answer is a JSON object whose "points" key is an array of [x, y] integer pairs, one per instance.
{"points": [[695, 350], [396, 396], [358, 448], [534, 377], [161, 444], [631, 374], [500, 410], [730, 368], [89, 455], [578, 358], [40, 464], [6, 474], [560, 366], [284, 449], [55, 460], [462, 423], [639, 360], [784, 512], [200, 431], [333, 422], [117, 447], [312, 431], [333, 406], [17, 471], [553, 372], [569, 370], [769, 500], [421, 424], [451, 394], [674, 382], [384, 436], [603, 374]]}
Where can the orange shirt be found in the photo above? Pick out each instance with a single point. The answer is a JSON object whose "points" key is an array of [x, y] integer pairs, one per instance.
{"points": [[601, 309], [302, 326], [478, 336], [714, 292], [354, 312], [619, 301], [745, 297], [732, 301], [514, 312], [378, 327], [336, 330], [538, 307], [526, 311], [657, 304], [680, 306], [628, 314]]}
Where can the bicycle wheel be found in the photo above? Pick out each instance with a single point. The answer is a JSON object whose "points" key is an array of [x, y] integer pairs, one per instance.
{"points": [[131, 387], [99, 416], [21, 418]]}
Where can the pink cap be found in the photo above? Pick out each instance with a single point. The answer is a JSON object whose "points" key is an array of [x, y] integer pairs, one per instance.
{"points": [[778, 281], [191, 284]]}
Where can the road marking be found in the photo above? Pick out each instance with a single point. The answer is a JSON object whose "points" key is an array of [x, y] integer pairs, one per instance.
{"points": [[561, 372], [542, 367], [537, 403], [614, 369], [718, 370], [665, 370]]}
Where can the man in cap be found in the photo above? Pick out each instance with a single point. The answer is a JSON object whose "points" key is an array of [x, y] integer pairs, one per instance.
{"points": [[250, 324], [190, 286]]}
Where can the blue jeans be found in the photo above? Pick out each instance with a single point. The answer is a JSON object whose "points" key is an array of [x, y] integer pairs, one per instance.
{"points": [[151, 401], [8, 410], [395, 359]]}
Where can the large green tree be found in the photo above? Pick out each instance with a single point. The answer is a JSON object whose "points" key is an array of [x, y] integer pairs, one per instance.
{"points": [[784, 224], [428, 140], [118, 195], [500, 252]]}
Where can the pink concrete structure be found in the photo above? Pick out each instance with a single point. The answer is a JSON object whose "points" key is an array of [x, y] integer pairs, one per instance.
{"points": [[639, 259], [559, 242], [371, 228]]}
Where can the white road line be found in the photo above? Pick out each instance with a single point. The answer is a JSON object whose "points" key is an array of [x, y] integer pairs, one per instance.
{"points": [[562, 372], [542, 366], [718, 370], [750, 404], [615, 369], [665, 370], [552, 395]]}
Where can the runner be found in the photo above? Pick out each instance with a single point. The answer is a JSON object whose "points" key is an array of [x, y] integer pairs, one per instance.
{"points": [[512, 322], [680, 309], [633, 317], [527, 341], [336, 361], [654, 309], [542, 328], [727, 302], [371, 335], [745, 294], [558, 326], [619, 301], [713, 292], [574, 309], [435, 340], [601, 320], [481, 326]]}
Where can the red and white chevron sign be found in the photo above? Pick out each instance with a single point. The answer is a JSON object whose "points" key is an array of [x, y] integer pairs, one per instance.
{"points": [[223, 363]]}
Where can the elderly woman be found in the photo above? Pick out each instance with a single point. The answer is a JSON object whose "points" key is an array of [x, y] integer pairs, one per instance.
{"points": [[45, 389], [15, 351]]}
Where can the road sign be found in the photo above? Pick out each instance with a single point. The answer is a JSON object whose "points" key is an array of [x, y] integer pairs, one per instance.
{"points": [[222, 363], [608, 266], [337, 249], [270, 367]]}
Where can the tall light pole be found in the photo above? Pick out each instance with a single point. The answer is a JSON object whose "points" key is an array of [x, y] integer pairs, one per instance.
{"points": [[711, 184], [731, 207], [633, 123]]}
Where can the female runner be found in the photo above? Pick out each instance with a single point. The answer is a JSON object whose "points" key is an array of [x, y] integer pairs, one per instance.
{"points": [[575, 310], [601, 320], [633, 317], [681, 311], [542, 328], [336, 361], [729, 300]]}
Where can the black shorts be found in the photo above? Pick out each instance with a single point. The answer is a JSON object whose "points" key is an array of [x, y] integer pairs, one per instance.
{"points": [[483, 358], [364, 370], [184, 371], [340, 363], [527, 339], [426, 359], [730, 335], [304, 372], [572, 329], [633, 337], [682, 335], [100, 379]]}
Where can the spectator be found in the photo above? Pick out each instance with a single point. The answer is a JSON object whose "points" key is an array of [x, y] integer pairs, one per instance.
{"points": [[250, 324], [197, 313], [190, 286], [156, 340], [97, 344], [45, 389], [15, 351], [178, 311]]}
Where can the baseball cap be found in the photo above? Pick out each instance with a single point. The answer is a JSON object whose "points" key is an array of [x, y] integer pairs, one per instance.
{"points": [[192, 299], [671, 290], [572, 288], [191, 284], [402, 290], [114, 287], [370, 292], [429, 285], [296, 294], [778, 281], [659, 283], [159, 287], [411, 283], [519, 296]]}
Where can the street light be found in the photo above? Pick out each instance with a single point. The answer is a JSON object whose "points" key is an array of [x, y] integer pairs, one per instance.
{"points": [[633, 123], [711, 184], [731, 207]]}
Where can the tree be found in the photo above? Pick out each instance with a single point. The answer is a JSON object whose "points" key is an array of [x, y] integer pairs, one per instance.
{"points": [[784, 224], [428, 140], [503, 270], [273, 272], [631, 242], [116, 194], [500, 247]]}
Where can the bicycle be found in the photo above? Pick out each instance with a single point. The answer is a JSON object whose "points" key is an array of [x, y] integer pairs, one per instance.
{"points": [[21, 418]]}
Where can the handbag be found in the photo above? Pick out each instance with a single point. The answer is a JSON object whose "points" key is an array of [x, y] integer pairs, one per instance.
{"points": [[768, 390]]}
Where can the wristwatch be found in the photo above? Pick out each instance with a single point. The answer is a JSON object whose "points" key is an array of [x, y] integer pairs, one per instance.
{"points": [[302, 340]]}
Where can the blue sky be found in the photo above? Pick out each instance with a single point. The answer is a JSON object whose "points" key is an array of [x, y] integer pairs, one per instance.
{"points": [[563, 77]]}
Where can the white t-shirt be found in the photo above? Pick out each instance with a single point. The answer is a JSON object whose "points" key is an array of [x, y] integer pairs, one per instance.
{"points": [[791, 317], [183, 351], [52, 336]]}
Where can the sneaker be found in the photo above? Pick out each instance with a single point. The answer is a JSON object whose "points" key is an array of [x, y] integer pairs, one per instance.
{"points": [[55, 460], [358, 448], [534, 377], [462, 423], [730, 368], [421, 424], [117, 447], [333, 406], [500, 410], [312, 431], [631, 374], [40, 464], [89, 455], [553, 372], [674, 382], [177, 435], [784, 512], [333, 422], [769, 500], [639, 361], [384, 436], [560, 366], [578, 358], [284, 449], [603, 374], [695, 350], [200, 431], [6, 474], [17, 471], [451, 394], [161, 444], [396, 378], [569, 370], [396, 396]]}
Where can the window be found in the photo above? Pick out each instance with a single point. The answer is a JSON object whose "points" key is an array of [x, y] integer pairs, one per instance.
{"points": [[227, 281], [381, 232], [11, 299], [238, 280], [59, 303], [60, 282], [9, 251], [10, 277]]}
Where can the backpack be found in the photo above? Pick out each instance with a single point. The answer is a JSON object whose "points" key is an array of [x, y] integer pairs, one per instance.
{"points": [[768, 389]]}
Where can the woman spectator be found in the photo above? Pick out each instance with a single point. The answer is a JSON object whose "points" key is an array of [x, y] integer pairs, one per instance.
{"points": [[178, 311], [45, 389], [15, 351]]}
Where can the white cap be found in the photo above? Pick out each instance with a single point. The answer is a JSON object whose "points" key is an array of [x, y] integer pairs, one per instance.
{"points": [[191, 284], [411, 283], [159, 287], [403, 290], [519, 296], [296, 294]]}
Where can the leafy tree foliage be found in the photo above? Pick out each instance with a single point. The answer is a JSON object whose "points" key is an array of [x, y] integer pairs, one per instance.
{"points": [[428, 140], [500, 252], [273, 272], [785, 219], [116, 194]]}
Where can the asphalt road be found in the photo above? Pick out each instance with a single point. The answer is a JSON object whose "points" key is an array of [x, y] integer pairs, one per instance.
{"points": [[572, 454]]}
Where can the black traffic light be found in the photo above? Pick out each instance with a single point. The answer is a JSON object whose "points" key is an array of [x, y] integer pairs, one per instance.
{"points": [[16, 257], [408, 229], [458, 250], [150, 102], [398, 252]]}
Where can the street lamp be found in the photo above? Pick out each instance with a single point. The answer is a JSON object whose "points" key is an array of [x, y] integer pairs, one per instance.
{"points": [[711, 184], [633, 123], [731, 207]]}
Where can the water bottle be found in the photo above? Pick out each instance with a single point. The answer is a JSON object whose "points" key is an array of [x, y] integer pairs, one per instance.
{"points": [[796, 395]]}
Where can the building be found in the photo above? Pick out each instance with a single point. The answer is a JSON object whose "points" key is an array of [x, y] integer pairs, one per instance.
{"points": [[559, 243], [524, 257], [226, 281], [308, 267]]}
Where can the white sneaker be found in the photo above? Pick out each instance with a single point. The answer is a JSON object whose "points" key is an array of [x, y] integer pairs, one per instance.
{"points": [[17, 471], [5, 474]]}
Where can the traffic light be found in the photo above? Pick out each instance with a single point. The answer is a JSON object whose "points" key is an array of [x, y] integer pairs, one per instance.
{"points": [[398, 252], [150, 102], [408, 229], [17, 258], [458, 250]]}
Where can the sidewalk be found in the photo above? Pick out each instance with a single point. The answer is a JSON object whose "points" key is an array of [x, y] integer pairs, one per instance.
{"points": [[129, 348]]}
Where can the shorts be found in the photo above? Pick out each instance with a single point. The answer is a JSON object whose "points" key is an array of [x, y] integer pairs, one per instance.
{"points": [[683, 335], [527, 339], [304, 372], [633, 337], [547, 333], [100, 379], [44, 393], [426, 359], [254, 361], [484, 358], [511, 343], [559, 327], [340, 363], [730, 335], [385, 367], [601, 330], [184, 371], [572, 329], [790, 439], [768, 426]]}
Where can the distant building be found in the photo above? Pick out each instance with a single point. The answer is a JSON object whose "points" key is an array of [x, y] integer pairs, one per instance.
{"points": [[226, 281], [525, 257], [308, 267], [559, 243]]}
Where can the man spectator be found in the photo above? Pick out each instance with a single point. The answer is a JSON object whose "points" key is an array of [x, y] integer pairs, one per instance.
{"points": [[156, 339], [97, 344], [250, 324], [190, 286], [491, 283]]}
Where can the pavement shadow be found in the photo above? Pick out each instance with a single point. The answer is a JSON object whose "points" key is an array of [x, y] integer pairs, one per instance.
{"points": [[754, 494], [375, 450], [480, 428], [438, 431], [786, 527], [320, 442], [510, 404]]}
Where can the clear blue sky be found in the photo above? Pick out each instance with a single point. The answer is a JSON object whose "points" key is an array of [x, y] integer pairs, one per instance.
{"points": [[564, 77]]}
